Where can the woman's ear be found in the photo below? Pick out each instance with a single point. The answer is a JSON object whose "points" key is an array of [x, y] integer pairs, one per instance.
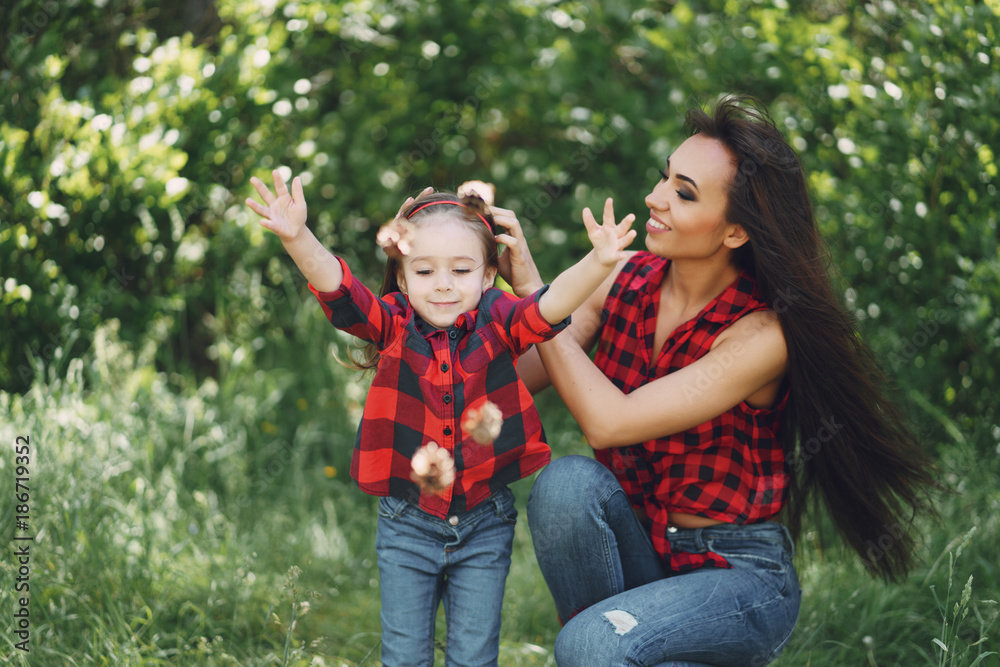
{"points": [[736, 237]]}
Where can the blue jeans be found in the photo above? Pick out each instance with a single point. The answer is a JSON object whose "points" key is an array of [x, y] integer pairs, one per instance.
{"points": [[462, 560], [619, 605]]}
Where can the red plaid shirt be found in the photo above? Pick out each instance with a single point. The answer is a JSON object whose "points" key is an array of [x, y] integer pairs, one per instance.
{"points": [[732, 467], [427, 378]]}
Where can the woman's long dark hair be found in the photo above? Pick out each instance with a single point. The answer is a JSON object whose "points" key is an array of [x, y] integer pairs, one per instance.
{"points": [[842, 435], [473, 211]]}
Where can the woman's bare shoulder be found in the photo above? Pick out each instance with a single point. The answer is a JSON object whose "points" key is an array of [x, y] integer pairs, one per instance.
{"points": [[760, 330]]}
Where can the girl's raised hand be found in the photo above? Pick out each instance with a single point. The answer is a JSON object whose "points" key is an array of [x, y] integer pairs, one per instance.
{"points": [[284, 213], [609, 238]]}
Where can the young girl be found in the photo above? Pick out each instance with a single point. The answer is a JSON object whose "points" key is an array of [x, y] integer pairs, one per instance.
{"points": [[446, 344]]}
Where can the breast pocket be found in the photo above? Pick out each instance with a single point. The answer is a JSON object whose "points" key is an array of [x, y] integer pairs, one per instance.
{"points": [[483, 346]]}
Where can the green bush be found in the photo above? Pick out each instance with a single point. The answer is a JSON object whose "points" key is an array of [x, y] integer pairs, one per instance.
{"points": [[129, 130], [126, 149]]}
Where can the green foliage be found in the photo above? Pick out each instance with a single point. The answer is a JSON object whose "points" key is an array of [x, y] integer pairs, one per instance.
{"points": [[947, 647], [126, 150], [166, 518], [196, 525], [128, 133]]}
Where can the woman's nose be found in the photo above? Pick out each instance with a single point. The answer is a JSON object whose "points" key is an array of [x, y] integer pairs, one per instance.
{"points": [[655, 199]]}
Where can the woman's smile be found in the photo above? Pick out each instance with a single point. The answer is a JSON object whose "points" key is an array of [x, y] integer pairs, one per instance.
{"points": [[655, 224]]}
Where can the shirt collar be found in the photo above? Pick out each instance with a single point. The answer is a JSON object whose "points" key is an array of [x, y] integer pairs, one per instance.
{"points": [[465, 321], [739, 296]]}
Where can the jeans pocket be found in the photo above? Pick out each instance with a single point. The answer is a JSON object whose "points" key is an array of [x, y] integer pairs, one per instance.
{"points": [[392, 508], [764, 559]]}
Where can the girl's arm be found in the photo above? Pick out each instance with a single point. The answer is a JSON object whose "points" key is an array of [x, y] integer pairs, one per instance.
{"points": [[582, 331], [574, 285], [285, 215], [518, 268], [747, 357]]}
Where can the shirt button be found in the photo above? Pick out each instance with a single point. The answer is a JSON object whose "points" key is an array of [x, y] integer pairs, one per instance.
{"points": [[444, 368], [447, 399], [453, 520], [453, 334], [447, 430]]}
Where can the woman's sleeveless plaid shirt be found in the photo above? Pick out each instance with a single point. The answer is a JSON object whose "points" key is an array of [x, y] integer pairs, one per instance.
{"points": [[731, 468]]}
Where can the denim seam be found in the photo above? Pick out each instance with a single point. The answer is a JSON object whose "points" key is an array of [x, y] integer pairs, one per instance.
{"points": [[783, 643], [602, 502]]}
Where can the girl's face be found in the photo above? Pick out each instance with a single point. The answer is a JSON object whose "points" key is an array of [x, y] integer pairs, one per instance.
{"points": [[687, 208], [445, 272]]}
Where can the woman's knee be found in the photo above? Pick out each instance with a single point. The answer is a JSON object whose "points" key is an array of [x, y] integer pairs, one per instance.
{"points": [[587, 640], [563, 483]]}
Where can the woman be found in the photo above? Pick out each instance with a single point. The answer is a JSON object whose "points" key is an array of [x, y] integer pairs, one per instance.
{"points": [[728, 385]]}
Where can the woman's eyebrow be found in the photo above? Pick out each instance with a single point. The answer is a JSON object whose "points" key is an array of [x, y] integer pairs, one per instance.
{"points": [[683, 177]]}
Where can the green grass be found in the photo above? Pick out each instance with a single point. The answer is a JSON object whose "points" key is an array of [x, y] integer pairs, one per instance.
{"points": [[199, 524]]}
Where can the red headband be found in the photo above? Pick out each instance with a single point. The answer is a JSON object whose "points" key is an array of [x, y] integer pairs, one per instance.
{"points": [[450, 201]]}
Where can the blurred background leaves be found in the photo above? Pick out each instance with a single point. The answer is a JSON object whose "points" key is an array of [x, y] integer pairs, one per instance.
{"points": [[129, 130]]}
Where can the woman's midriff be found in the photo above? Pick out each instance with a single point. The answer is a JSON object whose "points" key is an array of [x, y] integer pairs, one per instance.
{"points": [[682, 520], [679, 519]]}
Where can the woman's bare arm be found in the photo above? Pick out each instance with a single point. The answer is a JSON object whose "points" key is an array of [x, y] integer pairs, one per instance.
{"points": [[582, 333], [750, 355]]}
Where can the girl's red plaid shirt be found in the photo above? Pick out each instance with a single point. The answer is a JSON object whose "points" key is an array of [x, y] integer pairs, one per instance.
{"points": [[427, 378]]}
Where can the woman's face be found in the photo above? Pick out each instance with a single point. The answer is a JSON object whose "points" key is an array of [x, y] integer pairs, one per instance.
{"points": [[687, 208]]}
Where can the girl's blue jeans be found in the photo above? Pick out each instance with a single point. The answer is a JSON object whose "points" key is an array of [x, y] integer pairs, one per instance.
{"points": [[619, 605], [461, 560]]}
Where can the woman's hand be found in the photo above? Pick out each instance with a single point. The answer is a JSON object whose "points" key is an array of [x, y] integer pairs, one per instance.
{"points": [[285, 213], [396, 236], [516, 265]]}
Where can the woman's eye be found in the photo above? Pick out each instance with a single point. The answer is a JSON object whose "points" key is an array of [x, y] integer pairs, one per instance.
{"points": [[685, 195]]}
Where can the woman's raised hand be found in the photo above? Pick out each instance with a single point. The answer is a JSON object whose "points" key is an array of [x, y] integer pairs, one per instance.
{"points": [[609, 238], [395, 236], [284, 213], [516, 265]]}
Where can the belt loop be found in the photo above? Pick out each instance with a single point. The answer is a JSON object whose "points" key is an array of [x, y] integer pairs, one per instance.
{"points": [[699, 540], [497, 504]]}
